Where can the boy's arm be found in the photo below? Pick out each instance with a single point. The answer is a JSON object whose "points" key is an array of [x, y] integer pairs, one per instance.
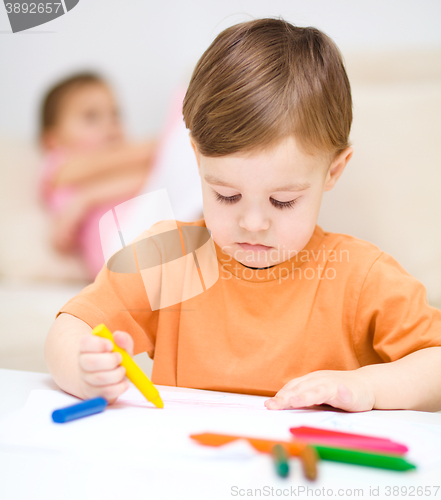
{"points": [[61, 351], [409, 383], [395, 322], [86, 166], [81, 363]]}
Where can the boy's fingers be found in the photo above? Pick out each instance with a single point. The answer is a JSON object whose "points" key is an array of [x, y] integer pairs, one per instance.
{"points": [[339, 397], [107, 377], [108, 392], [343, 398], [111, 392], [280, 400], [95, 362], [124, 340], [292, 388], [94, 343], [297, 397], [315, 396], [296, 382], [276, 403]]}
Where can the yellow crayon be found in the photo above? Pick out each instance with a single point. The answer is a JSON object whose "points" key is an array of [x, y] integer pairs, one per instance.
{"points": [[133, 371]]}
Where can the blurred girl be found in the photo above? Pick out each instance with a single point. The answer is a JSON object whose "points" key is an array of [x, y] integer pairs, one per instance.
{"points": [[89, 165]]}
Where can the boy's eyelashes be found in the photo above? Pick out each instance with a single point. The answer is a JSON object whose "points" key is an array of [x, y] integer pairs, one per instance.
{"points": [[232, 199], [283, 204]]}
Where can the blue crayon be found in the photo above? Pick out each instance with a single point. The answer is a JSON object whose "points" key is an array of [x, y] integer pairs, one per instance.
{"points": [[79, 410]]}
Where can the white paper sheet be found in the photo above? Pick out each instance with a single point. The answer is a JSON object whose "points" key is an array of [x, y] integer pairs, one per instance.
{"points": [[134, 429], [205, 400]]}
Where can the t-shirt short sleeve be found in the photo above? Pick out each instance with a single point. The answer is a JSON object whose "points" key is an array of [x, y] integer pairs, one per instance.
{"points": [[120, 301], [393, 315]]}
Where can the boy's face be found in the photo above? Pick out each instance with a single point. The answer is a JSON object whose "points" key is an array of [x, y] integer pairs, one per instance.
{"points": [[262, 208], [88, 119]]}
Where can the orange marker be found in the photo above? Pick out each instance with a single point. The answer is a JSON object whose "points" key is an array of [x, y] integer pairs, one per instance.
{"points": [[306, 453]]}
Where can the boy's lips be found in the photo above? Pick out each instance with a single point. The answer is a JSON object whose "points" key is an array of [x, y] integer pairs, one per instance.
{"points": [[254, 248]]}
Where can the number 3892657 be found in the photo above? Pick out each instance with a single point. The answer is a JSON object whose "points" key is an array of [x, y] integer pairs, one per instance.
{"points": [[32, 8]]}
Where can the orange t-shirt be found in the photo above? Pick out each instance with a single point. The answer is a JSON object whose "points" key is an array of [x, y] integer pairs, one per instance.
{"points": [[339, 304]]}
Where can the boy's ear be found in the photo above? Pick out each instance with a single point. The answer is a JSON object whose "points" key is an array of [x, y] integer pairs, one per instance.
{"points": [[337, 167]]}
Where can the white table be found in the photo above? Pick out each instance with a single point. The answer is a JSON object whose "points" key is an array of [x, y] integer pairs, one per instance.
{"points": [[29, 472]]}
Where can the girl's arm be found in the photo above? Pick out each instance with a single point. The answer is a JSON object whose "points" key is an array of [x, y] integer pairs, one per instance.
{"points": [[84, 167], [117, 186]]}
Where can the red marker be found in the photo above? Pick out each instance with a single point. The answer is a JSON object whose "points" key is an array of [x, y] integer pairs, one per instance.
{"points": [[347, 440]]}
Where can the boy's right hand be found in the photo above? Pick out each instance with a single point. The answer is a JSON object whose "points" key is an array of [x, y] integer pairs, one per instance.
{"points": [[101, 373]]}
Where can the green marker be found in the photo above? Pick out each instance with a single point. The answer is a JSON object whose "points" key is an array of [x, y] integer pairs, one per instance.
{"points": [[280, 458], [382, 461]]}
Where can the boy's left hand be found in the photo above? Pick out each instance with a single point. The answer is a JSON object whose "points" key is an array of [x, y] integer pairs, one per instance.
{"points": [[347, 390]]}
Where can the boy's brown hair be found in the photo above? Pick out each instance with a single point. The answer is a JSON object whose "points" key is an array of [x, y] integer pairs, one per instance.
{"points": [[52, 101], [263, 80]]}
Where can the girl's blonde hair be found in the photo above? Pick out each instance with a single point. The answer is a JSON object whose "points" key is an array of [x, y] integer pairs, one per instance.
{"points": [[264, 80]]}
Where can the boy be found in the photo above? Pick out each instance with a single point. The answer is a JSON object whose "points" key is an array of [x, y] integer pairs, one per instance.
{"points": [[299, 314]]}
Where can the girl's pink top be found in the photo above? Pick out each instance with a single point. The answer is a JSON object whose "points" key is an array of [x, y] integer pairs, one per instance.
{"points": [[56, 198]]}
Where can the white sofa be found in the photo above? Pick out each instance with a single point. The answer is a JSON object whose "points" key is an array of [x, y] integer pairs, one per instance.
{"points": [[389, 195]]}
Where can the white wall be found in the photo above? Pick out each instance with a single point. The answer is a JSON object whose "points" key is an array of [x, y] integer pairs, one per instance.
{"points": [[147, 46], [389, 194]]}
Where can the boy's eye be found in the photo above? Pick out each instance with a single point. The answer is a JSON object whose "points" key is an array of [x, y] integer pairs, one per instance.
{"points": [[227, 199], [278, 204], [283, 204]]}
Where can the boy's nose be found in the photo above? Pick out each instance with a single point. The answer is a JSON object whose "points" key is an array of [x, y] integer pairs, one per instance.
{"points": [[254, 221]]}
